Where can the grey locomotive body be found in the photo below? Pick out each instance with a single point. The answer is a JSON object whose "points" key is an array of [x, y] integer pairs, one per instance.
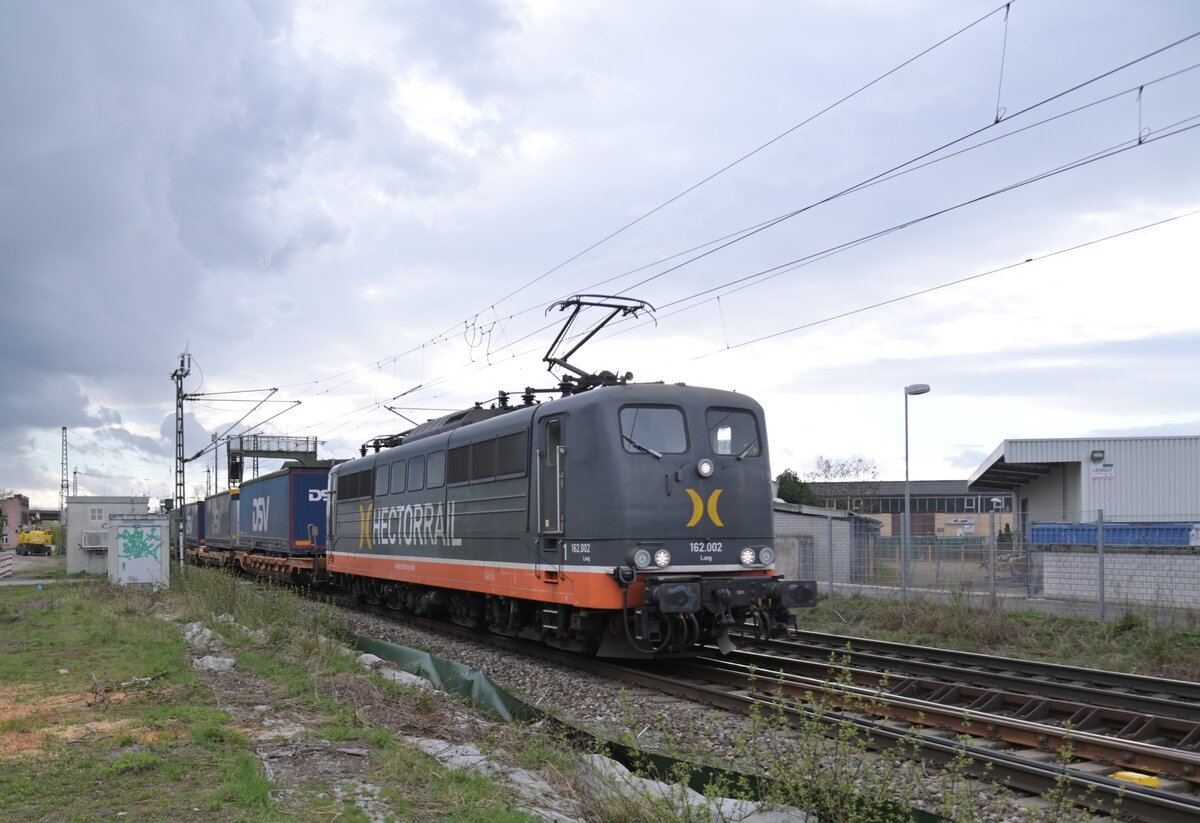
{"points": [[633, 519]]}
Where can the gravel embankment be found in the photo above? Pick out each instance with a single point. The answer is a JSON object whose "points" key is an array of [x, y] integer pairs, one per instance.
{"points": [[659, 721]]}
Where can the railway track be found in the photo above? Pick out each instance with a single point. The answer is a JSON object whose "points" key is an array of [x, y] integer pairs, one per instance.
{"points": [[1085, 738], [1116, 690]]}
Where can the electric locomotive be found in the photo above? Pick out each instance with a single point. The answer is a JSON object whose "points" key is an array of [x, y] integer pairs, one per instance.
{"points": [[622, 520]]}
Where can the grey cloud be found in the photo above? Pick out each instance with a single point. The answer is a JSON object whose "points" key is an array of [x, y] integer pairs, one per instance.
{"points": [[968, 458]]}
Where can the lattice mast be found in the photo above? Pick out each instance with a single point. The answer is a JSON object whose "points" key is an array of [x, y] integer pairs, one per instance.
{"points": [[63, 488], [185, 368]]}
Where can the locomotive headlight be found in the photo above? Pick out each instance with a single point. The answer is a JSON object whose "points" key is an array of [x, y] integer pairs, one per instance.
{"points": [[766, 555], [641, 559], [662, 558], [705, 467], [747, 556]]}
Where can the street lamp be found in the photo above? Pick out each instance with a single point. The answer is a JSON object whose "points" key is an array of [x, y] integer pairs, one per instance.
{"points": [[915, 388]]}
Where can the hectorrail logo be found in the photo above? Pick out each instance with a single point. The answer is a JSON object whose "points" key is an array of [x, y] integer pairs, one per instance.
{"points": [[698, 507], [364, 525]]}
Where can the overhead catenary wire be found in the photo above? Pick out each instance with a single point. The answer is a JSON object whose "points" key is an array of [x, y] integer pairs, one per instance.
{"points": [[895, 171], [782, 268], [948, 284], [450, 331]]}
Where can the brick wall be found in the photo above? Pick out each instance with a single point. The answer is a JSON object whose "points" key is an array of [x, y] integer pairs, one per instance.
{"points": [[1168, 578]]}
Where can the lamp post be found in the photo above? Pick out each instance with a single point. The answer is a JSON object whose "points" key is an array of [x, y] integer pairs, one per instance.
{"points": [[915, 388]]}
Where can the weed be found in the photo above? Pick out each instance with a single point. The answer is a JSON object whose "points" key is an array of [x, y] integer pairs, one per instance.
{"points": [[135, 761], [245, 784]]}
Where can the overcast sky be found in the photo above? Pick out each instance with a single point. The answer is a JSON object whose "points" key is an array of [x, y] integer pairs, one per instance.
{"points": [[347, 200]]}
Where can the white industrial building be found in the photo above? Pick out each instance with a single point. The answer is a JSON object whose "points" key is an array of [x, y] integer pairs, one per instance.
{"points": [[1129, 478], [1109, 518]]}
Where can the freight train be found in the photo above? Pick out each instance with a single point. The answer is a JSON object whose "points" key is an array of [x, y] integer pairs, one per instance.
{"points": [[621, 519]]}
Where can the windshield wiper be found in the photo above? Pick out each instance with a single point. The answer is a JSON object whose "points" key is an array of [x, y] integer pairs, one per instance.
{"points": [[638, 445], [749, 446]]}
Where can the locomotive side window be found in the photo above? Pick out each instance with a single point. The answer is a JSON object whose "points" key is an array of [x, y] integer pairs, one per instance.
{"points": [[399, 472], [733, 432], [381, 480], [416, 474], [655, 430], [483, 460], [435, 470], [458, 465], [512, 454], [489, 459], [351, 486]]}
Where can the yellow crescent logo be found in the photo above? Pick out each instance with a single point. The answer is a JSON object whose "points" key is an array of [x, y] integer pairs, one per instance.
{"points": [[712, 508], [364, 525], [698, 507]]}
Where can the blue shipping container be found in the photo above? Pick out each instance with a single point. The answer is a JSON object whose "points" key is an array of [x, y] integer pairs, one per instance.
{"points": [[285, 511], [1115, 534], [221, 520], [193, 523]]}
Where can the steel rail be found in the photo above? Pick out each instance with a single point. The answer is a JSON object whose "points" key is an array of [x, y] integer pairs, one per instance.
{"points": [[1070, 707], [1116, 689]]}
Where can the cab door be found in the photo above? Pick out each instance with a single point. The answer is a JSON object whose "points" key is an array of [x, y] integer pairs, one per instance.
{"points": [[551, 480]]}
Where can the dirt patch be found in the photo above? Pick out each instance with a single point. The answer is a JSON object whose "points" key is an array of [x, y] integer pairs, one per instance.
{"points": [[28, 725], [285, 736]]}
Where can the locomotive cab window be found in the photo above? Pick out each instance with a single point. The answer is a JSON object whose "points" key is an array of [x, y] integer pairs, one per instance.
{"points": [[653, 430], [733, 432]]}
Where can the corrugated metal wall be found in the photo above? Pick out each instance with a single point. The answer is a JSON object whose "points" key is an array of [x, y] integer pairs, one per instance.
{"points": [[1138, 479]]}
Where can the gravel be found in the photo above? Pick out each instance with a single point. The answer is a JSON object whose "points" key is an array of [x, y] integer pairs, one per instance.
{"points": [[658, 721]]}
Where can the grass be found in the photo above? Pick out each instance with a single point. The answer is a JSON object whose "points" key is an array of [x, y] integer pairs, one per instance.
{"points": [[101, 713], [1132, 644]]}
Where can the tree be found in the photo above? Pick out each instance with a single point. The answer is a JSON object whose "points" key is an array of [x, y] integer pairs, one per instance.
{"points": [[842, 480], [794, 490]]}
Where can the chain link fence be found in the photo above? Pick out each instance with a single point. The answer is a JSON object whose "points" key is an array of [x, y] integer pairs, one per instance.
{"points": [[1103, 565]]}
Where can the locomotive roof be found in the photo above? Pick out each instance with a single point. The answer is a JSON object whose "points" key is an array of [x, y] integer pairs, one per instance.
{"points": [[609, 395]]}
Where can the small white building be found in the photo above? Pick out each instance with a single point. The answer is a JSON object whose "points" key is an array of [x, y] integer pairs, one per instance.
{"points": [[86, 535]]}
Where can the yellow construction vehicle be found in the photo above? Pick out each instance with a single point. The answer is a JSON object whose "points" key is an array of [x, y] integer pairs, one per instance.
{"points": [[34, 540]]}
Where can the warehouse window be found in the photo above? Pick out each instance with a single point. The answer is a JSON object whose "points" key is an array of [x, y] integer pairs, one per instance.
{"points": [[96, 513]]}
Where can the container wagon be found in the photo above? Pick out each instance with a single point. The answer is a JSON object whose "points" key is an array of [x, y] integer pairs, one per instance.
{"points": [[281, 524]]}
